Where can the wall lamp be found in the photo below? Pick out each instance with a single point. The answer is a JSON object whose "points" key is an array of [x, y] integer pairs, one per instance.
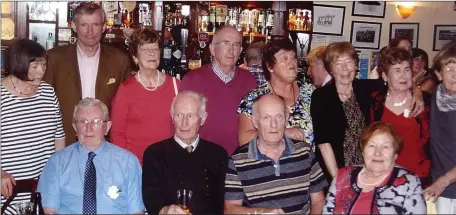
{"points": [[405, 9]]}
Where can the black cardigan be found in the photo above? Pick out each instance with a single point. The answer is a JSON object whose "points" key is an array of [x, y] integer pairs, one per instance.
{"points": [[328, 117], [167, 167]]}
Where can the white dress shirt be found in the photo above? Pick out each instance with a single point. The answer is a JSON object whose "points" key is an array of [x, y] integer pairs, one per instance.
{"points": [[185, 145], [327, 79], [88, 69]]}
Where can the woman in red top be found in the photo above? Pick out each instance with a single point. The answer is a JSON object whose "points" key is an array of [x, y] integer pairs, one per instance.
{"points": [[393, 105], [141, 108]]}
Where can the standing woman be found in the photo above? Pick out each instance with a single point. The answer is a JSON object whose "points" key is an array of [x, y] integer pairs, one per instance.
{"points": [[31, 121], [140, 110], [422, 76], [443, 133], [393, 104]]}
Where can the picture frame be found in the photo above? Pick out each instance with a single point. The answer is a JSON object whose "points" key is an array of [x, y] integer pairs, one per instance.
{"points": [[442, 35], [366, 35], [328, 19], [411, 30], [375, 9]]}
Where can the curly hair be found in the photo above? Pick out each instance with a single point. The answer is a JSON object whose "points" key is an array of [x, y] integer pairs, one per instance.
{"points": [[392, 56]]}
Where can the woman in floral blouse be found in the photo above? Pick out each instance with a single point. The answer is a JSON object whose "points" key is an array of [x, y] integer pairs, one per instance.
{"points": [[378, 186], [280, 68]]}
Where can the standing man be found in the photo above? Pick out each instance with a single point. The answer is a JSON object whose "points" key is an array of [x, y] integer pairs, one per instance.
{"points": [[91, 176], [87, 68], [253, 61], [185, 161], [271, 174], [224, 85], [316, 70]]}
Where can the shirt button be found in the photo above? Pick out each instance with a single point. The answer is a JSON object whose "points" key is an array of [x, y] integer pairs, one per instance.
{"points": [[275, 165], [208, 194]]}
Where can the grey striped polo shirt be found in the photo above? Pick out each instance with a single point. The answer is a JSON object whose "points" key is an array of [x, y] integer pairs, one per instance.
{"points": [[260, 182]]}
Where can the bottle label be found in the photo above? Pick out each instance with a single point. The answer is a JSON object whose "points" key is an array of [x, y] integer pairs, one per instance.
{"points": [[167, 53], [177, 54], [270, 20]]}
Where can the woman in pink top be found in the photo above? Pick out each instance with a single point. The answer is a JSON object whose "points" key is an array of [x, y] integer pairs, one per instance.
{"points": [[141, 108]]}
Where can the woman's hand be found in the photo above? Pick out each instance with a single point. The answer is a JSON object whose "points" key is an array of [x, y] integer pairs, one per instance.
{"points": [[417, 102], [434, 191], [295, 134], [7, 184]]}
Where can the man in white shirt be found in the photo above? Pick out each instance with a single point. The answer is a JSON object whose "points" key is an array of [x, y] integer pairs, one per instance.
{"points": [[316, 70], [87, 68]]}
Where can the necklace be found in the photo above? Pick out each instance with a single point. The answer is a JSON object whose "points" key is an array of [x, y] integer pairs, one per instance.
{"points": [[145, 87], [20, 92], [397, 104], [370, 184], [294, 96]]}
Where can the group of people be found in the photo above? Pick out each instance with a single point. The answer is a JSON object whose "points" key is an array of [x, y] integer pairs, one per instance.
{"points": [[102, 136]]}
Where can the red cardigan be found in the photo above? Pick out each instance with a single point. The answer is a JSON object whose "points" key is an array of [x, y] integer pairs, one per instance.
{"points": [[141, 117]]}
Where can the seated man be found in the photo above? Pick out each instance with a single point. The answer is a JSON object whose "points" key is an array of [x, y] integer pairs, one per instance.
{"points": [[185, 161], [272, 174], [91, 176]]}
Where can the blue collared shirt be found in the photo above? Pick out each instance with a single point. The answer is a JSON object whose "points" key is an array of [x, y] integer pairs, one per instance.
{"points": [[223, 76], [62, 181]]}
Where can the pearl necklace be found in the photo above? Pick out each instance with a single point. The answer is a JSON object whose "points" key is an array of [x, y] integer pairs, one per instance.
{"points": [[20, 92], [370, 184], [398, 104], [145, 87]]}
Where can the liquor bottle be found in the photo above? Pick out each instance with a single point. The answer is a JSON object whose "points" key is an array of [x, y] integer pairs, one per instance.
{"points": [[238, 19], [167, 54], [50, 41], [177, 53], [253, 21], [221, 11], [211, 25], [204, 18], [261, 25], [270, 18], [245, 20]]}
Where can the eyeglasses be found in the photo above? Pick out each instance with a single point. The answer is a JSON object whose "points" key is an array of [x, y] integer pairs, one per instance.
{"points": [[451, 70], [94, 122], [226, 44]]}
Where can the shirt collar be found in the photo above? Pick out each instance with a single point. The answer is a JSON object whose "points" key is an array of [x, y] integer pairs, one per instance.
{"points": [[84, 152], [82, 54], [327, 79], [223, 76], [254, 152], [185, 145]]}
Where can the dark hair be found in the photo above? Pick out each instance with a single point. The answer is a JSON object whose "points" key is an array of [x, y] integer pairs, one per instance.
{"points": [[89, 8], [141, 37], [381, 128], [336, 50], [395, 41], [445, 56], [254, 52], [392, 56], [416, 52], [270, 49], [21, 53]]}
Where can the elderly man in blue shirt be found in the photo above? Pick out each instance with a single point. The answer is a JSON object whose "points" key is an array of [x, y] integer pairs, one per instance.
{"points": [[91, 176]]}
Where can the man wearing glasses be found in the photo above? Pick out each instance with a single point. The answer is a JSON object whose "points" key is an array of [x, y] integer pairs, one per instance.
{"points": [[91, 176], [224, 85]]}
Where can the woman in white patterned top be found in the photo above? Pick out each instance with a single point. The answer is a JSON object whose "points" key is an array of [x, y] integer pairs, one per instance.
{"points": [[31, 120]]}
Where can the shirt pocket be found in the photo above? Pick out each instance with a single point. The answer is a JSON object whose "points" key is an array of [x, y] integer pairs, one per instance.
{"points": [[116, 194]]}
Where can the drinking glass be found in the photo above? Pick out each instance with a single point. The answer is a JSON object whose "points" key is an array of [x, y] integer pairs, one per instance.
{"points": [[184, 197], [24, 208]]}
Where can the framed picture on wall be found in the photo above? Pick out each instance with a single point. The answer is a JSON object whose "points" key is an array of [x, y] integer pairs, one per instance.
{"points": [[328, 19], [409, 30], [365, 35], [442, 35], [374, 9]]}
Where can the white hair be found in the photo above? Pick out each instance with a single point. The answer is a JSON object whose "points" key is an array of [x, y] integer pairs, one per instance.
{"points": [[195, 95], [91, 102]]}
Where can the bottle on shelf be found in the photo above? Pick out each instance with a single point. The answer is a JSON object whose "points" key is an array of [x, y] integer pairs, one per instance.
{"points": [[211, 25], [50, 42], [261, 22], [221, 11]]}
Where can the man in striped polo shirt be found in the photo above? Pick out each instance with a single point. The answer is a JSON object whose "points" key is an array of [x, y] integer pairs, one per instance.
{"points": [[272, 174]]}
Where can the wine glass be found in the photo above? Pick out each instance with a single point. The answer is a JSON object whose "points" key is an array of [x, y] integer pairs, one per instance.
{"points": [[184, 197]]}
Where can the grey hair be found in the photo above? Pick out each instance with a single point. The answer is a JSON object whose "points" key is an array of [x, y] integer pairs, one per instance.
{"points": [[217, 32], [89, 8], [195, 95], [91, 102], [255, 104]]}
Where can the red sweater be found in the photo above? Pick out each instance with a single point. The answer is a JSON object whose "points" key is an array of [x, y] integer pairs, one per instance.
{"points": [[141, 117], [221, 126]]}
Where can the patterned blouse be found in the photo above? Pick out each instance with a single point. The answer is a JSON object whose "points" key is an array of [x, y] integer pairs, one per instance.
{"points": [[299, 113], [402, 193]]}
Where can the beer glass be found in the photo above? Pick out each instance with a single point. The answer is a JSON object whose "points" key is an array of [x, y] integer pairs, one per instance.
{"points": [[184, 197]]}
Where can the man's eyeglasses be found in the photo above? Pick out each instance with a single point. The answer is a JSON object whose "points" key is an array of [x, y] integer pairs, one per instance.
{"points": [[94, 122], [226, 44]]}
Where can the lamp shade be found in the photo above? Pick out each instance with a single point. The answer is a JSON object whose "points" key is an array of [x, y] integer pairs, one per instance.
{"points": [[405, 10]]}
